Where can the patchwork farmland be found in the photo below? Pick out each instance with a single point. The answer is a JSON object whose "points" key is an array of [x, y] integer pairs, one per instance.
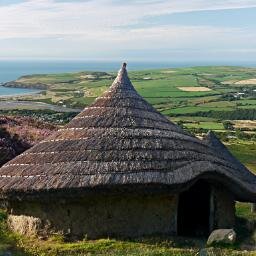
{"points": [[223, 105]]}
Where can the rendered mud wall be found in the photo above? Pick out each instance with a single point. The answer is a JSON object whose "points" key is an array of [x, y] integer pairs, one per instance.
{"points": [[98, 216]]}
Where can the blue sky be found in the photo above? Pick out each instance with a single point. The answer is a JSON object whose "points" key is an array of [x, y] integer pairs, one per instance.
{"points": [[155, 30]]}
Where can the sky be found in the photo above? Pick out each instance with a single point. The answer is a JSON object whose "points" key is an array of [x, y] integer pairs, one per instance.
{"points": [[144, 30]]}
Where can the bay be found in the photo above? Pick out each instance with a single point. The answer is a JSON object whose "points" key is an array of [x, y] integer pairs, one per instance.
{"points": [[8, 91]]}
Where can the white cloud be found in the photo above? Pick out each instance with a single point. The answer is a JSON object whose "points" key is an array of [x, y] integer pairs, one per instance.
{"points": [[92, 19], [90, 25]]}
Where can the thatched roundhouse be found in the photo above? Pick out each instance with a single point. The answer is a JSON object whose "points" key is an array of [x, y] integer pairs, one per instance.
{"points": [[122, 169]]}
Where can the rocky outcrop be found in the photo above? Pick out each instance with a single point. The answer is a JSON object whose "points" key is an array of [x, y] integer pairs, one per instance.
{"points": [[222, 236]]}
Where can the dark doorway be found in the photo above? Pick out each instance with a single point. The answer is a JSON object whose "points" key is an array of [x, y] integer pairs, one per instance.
{"points": [[194, 210]]}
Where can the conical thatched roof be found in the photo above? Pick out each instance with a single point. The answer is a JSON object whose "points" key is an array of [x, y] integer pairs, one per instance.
{"points": [[120, 141]]}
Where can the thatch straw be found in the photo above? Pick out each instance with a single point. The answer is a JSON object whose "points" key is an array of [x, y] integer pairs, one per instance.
{"points": [[121, 140]]}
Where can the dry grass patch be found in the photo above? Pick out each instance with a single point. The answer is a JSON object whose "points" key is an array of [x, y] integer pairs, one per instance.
{"points": [[168, 71], [228, 82], [88, 77], [247, 81], [249, 124], [195, 89]]}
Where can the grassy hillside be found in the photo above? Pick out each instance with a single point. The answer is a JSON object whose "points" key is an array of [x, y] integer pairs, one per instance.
{"points": [[204, 88], [175, 92], [211, 93], [222, 99]]}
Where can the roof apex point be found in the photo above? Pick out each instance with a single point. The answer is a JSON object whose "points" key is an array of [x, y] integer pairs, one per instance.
{"points": [[122, 76]]}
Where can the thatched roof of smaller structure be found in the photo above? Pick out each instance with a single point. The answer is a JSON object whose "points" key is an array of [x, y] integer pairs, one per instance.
{"points": [[212, 140], [120, 141]]}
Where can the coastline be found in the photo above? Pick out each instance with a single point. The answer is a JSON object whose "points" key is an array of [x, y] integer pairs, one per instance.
{"points": [[26, 92], [36, 105], [19, 95]]}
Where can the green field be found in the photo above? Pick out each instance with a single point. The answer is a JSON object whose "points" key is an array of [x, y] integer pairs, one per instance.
{"points": [[245, 152], [157, 86], [224, 100], [227, 108]]}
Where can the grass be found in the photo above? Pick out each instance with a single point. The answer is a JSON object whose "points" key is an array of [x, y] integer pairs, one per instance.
{"points": [[205, 125], [243, 210], [245, 226], [245, 152], [7, 239], [185, 110], [160, 88], [105, 247]]}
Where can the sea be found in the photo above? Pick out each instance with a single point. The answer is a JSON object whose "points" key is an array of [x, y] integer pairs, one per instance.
{"points": [[12, 69]]}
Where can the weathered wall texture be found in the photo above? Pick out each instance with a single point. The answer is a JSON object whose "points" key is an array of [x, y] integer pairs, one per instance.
{"points": [[113, 216], [98, 216], [224, 208]]}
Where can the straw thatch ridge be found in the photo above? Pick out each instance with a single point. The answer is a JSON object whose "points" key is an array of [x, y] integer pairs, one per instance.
{"points": [[211, 140], [121, 140]]}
